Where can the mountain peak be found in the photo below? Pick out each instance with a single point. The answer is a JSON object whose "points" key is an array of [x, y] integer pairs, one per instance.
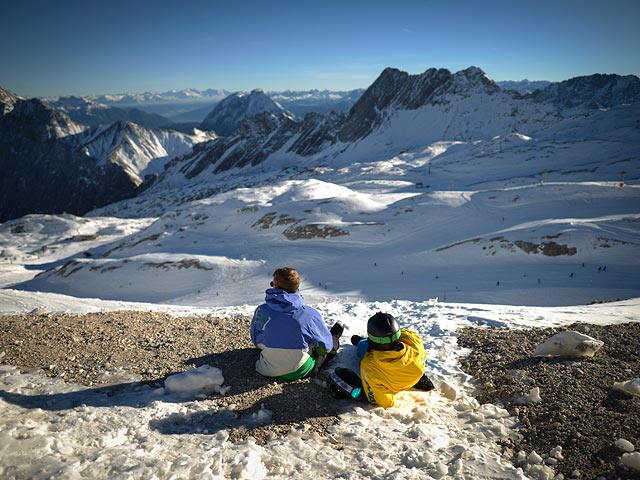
{"points": [[7, 101], [399, 90], [474, 78], [474, 71], [227, 116]]}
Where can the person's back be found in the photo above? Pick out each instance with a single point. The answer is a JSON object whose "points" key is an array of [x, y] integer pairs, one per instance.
{"points": [[387, 372], [292, 336], [393, 360]]}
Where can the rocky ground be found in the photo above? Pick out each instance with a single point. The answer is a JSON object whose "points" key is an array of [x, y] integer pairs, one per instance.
{"points": [[579, 410], [81, 348]]}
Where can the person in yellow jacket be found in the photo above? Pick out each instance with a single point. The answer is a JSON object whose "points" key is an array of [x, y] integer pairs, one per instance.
{"points": [[393, 360]]}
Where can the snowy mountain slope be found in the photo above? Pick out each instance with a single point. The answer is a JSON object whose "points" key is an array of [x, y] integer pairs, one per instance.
{"points": [[227, 115], [454, 179], [35, 243], [41, 168], [442, 106], [591, 147], [257, 139], [137, 150], [435, 219], [594, 147], [49, 163], [20, 115], [534, 240], [7, 100], [398, 112]]}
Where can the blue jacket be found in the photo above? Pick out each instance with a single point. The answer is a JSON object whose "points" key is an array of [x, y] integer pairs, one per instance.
{"points": [[287, 332]]}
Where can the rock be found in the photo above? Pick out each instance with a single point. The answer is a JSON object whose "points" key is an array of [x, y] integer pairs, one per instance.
{"points": [[625, 445], [632, 460]]}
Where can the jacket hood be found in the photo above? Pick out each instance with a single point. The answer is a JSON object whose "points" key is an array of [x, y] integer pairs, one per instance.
{"points": [[283, 301]]}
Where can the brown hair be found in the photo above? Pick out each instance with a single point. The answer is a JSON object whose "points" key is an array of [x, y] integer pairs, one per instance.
{"points": [[287, 279]]}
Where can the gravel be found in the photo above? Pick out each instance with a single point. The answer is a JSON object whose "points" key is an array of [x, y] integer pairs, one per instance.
{"points": [[80, 348], [579, 410]]}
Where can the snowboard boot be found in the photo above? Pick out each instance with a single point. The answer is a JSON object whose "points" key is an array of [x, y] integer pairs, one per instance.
{"points": [[321, 362], [424, 384], [337, 329]]}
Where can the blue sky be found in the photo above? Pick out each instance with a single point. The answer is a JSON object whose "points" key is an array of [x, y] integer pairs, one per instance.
{"points": [[63, 47]]}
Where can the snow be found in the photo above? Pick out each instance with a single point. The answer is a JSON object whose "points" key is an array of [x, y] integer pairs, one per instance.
{"points": [[200, 381], [532, 397], [53, 428], [568, 344], [138, 150], [630, 387], [631, 460]]}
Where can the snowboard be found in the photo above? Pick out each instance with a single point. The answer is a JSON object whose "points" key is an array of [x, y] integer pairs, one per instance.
{"points": [[345, 383]]}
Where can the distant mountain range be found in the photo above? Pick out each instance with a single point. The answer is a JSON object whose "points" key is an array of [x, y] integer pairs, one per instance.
{"points": [[94, 114], [460, 106], [83, 155], [523, 87], [49, 163], [192, 106], [185, 109]]}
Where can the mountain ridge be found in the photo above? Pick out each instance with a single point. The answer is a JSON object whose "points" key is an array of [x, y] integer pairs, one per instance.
{"points": [[590, 92], [436, 91], [399, 111]]}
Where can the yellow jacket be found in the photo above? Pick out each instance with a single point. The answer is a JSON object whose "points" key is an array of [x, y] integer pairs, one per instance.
{"points": [[385, 373]]}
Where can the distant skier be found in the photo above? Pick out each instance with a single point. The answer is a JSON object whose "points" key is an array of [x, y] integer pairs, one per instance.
{"points": [[292, 337], [392, 360]]}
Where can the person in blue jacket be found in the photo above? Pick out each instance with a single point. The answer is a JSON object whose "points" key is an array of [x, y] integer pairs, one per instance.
{"points": [[293, 339]]}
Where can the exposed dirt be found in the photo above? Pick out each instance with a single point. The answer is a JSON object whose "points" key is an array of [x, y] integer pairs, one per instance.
{"points": [[579, 410]]}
